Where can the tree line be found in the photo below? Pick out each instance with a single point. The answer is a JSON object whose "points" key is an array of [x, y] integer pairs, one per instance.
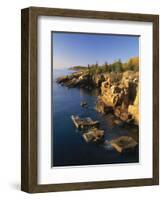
{"points": [[117, 66]]}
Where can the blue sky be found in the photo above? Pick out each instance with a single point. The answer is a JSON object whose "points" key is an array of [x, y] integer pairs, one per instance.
{"points": [[71, 49]]}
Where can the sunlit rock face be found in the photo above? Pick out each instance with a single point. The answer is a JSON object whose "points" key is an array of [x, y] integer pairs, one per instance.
{"points": [[134, 109], [120, 92]]}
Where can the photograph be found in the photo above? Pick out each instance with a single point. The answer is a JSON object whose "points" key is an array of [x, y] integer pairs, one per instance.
{"points": [[95, 99]]}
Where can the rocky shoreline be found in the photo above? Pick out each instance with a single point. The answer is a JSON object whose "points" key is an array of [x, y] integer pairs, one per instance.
{"points": [[119, 92]]}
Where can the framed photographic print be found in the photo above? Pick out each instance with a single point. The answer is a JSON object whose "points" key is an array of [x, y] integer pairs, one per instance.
{"points": [[90, 99]]}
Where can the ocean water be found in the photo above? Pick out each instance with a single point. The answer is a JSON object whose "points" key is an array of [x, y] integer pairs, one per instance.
{"points": [[68, 146]]}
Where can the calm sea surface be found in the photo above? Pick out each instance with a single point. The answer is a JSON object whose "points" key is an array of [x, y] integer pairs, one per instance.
{"points": [[69, 147]]}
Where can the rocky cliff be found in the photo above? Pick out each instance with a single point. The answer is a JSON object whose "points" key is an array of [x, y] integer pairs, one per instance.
{"points": [[119, 94]]}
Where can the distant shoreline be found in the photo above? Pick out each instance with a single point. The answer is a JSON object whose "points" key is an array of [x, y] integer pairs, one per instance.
{"points": [[77, 68]]}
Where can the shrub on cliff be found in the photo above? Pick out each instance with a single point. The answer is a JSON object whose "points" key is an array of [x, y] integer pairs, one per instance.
{"points": [[132, 64], [117, 66]]}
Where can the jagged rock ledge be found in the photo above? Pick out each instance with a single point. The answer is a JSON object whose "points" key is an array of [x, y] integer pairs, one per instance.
{"points": [[81, 79], [123, 144], [84, 123], [94, 135]]}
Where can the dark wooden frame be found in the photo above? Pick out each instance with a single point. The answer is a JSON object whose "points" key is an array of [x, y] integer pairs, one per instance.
{"points": [[29, 98]]}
